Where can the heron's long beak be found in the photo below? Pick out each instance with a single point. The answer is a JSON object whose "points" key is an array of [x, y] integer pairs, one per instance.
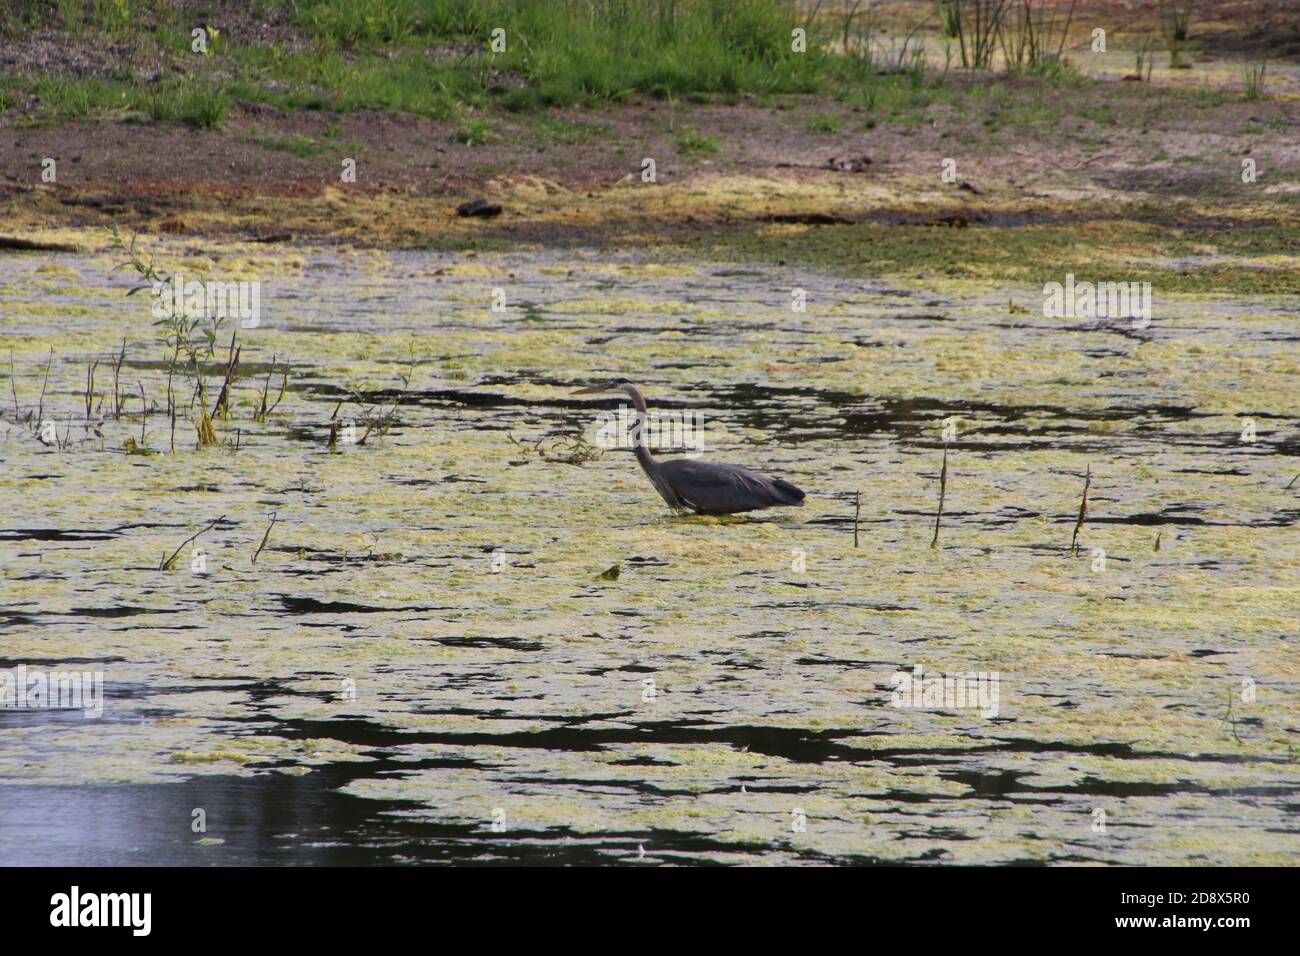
{"points": [[592, 390]]}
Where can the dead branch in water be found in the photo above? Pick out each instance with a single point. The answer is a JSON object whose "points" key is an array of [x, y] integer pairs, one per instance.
{"points": [[222, 404], [1083, 512], [168, 563], [40, 408], [266, 537], [90, 386], [144, 412], [171, 400], [559, 448], [262, 410], [13, 385], [857, 513], [117, 369], [943, 490]]}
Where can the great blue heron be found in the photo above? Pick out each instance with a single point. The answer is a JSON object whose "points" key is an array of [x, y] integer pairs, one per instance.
{"points": [[705, 487]]}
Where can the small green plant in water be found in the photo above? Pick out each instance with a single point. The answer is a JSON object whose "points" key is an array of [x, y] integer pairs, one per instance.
{"points": [[378, 420], [194, 339], [1253, 79], [1230, 719], [559, 448], [1176, 17]]}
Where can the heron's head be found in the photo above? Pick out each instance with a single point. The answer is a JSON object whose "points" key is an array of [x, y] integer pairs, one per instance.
{"points": [[616, 385], [611, 385]]}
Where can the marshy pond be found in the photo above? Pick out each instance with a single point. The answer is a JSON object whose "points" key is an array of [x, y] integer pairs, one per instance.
{"points": [[425, 663]]}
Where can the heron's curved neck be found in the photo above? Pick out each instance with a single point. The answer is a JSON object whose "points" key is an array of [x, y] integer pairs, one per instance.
{"points": [[640, 445]]}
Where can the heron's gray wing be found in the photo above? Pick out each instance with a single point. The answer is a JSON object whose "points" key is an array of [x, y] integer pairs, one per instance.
{"points": [[717, 489]]}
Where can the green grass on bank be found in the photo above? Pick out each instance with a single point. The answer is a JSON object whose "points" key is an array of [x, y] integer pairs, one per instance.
{"points": [[429, 57], [574, 49], [434, 58]]}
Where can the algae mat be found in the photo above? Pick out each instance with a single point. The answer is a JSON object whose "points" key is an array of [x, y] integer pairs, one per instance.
{"points": [[424, 661]]}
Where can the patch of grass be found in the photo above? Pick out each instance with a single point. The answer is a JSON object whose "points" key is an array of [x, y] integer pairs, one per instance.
{"points": [[555, 130], [597, 49], [488, 170], [474, 132], [359, 21], [1252, 75], [72, 14], [79, 97], [114, 16], [1203, 97], [432, 58], [296, 143], [522, 100], [825, 124], [159, 103], [1059, 72], [199, 103], [694, 143], [203, 105], [323, 78], [436, 60], [896, 94]]}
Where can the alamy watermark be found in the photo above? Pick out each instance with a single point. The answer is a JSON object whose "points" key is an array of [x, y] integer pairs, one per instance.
{"points": [[75, 908], [978, 691], [667, 430], [32, 688], [240, 299], [1102, 300]]}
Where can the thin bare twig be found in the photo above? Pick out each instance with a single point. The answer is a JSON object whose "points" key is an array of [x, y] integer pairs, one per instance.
{"points": [[168, 563], [1083, 512], [266, 537], [40, 409], [144, 413], [232, 363], [90, 386], [13, 386], [284, 383], [943, 490], [117, 395], [857, 513]]}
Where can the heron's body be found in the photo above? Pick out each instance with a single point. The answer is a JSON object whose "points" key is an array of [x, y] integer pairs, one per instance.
{"points": [[707, 488]]}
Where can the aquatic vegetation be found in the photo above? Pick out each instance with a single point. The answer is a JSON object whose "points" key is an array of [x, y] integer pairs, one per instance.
{"points": [[564, 448], [1253, 79], [188, 334], [426, 625]]}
